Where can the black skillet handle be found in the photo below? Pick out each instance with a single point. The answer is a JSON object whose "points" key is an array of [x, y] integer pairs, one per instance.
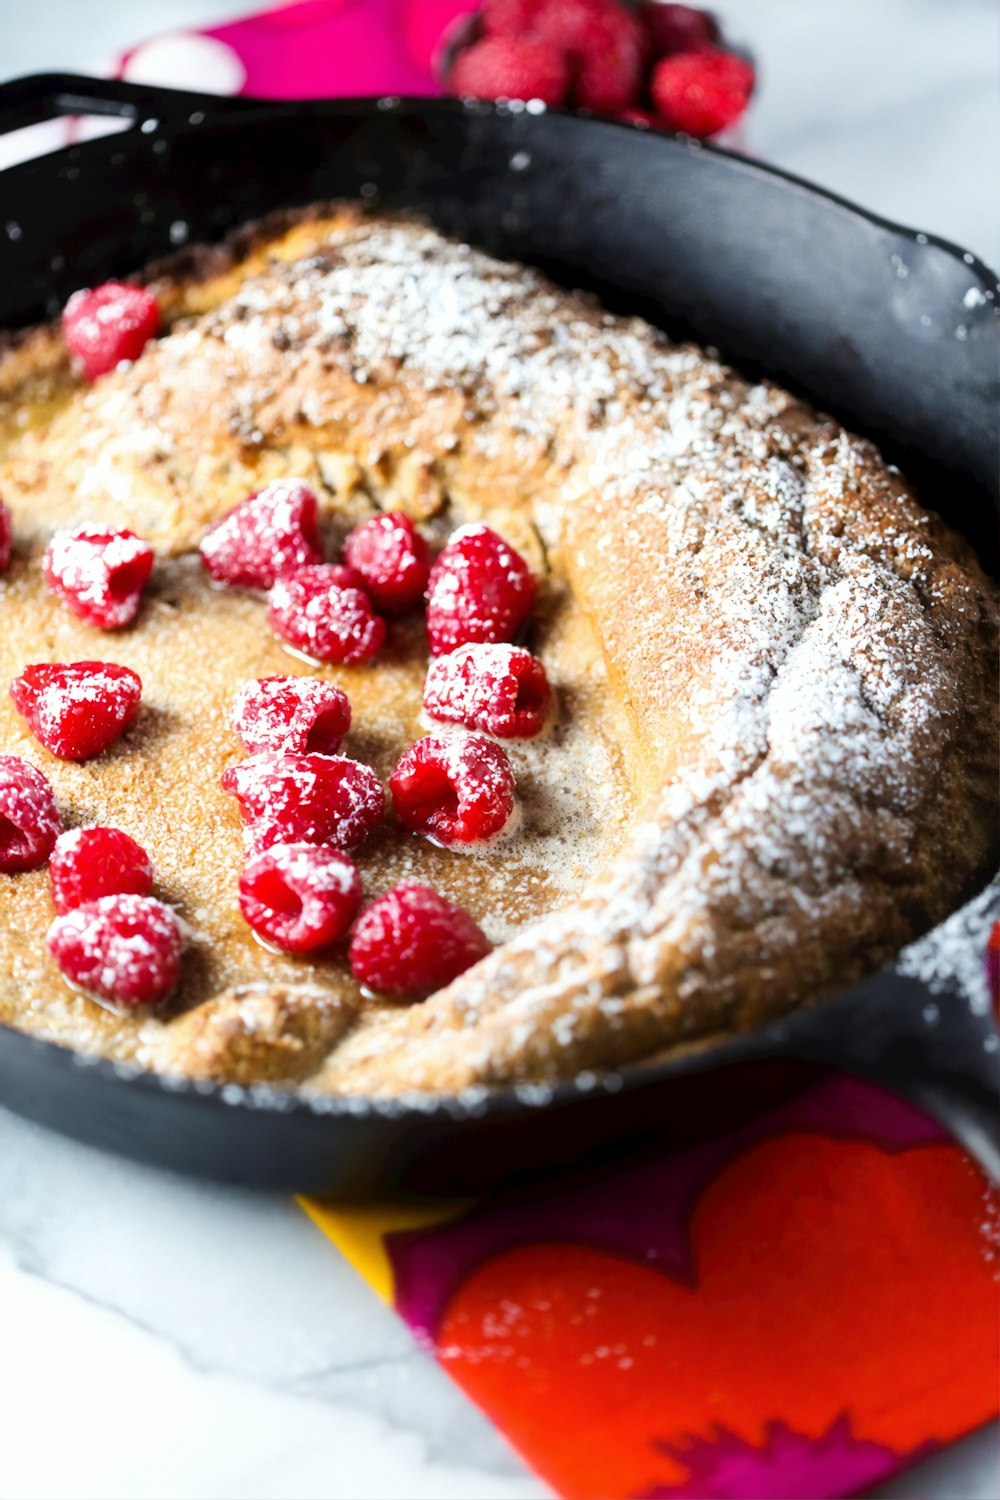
{"points": [[46, 96], [925, 1029]]}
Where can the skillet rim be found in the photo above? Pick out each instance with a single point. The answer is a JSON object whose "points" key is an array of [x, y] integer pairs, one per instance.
{"points": [[480, 1101]]}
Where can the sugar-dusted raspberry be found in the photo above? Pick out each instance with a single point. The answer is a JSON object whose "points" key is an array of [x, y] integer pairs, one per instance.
{"points": [[103, 325], [305, 799], [88, 863], [323, 619], [677, 28], [498, 67], [99, 574], [29, 819], [126, 949], [702, 92], [300, 897], [77, 710], [269, 533], [6, 538], [479, 590], [411, 942], [502, 690], [454, 791], [290, 716], [393, 560]]}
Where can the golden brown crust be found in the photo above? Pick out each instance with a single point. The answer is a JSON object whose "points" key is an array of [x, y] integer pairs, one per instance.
{"points": [[803, 658], [255, 1033]]}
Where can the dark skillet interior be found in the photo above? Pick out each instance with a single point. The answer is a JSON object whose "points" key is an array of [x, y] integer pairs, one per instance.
{"points": [[892, 332]]}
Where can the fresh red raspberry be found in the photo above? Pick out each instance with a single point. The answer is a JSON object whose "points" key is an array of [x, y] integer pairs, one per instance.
{"points": [[290, 716], [100, 575], [6, 538], [393, 560], [498, 67], [479, 590], [305, 799], [126, 949], [510, 18], [454, 791], [702, 92], [29, 819], [502, 690], [270, 533], [77, 710], [322, 619], [411, 942], [103, 325], [605, 45], [300, 897], [677, 28], [88, 863]]}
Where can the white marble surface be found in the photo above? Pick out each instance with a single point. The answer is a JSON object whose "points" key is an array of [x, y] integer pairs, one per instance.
{"points": [[165, 1338]]}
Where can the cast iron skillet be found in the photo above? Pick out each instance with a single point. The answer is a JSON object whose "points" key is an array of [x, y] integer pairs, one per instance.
{"points": [[892, 331]]}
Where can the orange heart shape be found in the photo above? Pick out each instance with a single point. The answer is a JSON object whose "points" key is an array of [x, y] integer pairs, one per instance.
{"points": [[832, 1277]]}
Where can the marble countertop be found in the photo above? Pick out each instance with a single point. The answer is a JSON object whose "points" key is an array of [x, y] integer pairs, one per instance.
{"points": [[164, 1337]]}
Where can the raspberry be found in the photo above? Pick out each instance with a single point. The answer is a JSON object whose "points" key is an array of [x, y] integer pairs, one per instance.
{"points": [[100, 575], [104, 325], [323, 619], [29, 819], [499, 67], [76, 711], [411, 942], [305, 799], [701, 92], [479, 590], [677, 28], [6, 538], [393, 560], [605, 45], [269, 533], [502, 690], [510, 18], [126, 949], [300, 897], [290, 715], [88, 863], [454, 791]]}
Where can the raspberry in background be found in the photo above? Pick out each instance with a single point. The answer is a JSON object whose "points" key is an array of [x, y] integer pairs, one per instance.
{"points": [[455, 791], [99, 574], [480, 589], [29, 819], [499, 67], [290, 715], [6, 538], [78, 709], [305, 799], [88, 863], [677, 28], [701, 93], [300, 897], [104, 325], [411, 942], [126, 949], [393, 561], [323, 619], [269, 533], [605, 47]]}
